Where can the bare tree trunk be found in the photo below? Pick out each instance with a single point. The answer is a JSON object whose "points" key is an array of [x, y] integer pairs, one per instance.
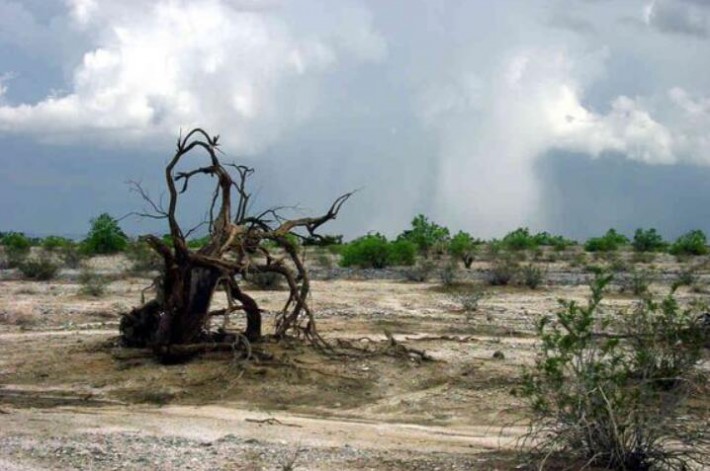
{"points": [[187, 303], [180, 313], [252, 311]]}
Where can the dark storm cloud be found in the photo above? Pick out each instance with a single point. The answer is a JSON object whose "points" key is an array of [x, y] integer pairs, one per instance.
{"points": [[679, 17], [583, 197], [437, 107]]}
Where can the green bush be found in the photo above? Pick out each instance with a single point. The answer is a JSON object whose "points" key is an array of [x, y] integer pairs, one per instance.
{"points": [[402, 252], [17, 247], [557, 242], [609, 242], [666, 341], [523, 239], [648, 241], [40, 269], [105, 236], [532, 276], [464, 247], [370, 251], [691, 243], [425, 234], [374, 251], [601, 396], [519, 239], [53, 243]]}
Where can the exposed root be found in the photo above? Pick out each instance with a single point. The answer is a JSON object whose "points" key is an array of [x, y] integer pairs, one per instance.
{"points": [[399, 350], [389, 348]]}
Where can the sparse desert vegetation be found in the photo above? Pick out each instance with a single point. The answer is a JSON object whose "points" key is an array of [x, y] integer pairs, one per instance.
{"points": [[458, 368]]}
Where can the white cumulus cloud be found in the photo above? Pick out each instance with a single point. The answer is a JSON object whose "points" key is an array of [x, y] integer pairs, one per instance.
{"points": [[154, 67]]}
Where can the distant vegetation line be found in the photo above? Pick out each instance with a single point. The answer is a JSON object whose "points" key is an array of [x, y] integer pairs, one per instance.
{"points": [[423, 239]]}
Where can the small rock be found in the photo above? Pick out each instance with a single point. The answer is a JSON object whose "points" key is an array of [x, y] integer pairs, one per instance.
{"points": [[498, 355]]}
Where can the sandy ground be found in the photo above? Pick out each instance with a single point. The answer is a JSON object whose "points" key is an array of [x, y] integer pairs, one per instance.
{"points": [[70, 398]]}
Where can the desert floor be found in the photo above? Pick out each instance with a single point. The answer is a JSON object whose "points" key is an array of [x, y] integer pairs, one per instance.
{"points": [[71, 398]]}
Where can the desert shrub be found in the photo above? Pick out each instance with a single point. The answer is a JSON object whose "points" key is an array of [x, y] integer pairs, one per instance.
{"points": [[687, 276], [616, 264], [447, 274], [519, 239], [16, 241], [143, 259], [370, 251], [502, 271], [54, 243], [691, 243], [71, 255], [532, 276], [425, 234], [603, 398], [42, 268], [464, 247], [401, 252], [439, 250], [493, 249], [469, 300], [595, 269], [105, 236], [666, 341], [17, 247], [92, 283], [421, 271], [648, 241], [267, 281], [374, 251], [578, 259], [523, 239], [636, 282], [557, 242], [609, 242]]}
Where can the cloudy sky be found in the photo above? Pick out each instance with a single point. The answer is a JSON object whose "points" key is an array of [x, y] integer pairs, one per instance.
{"points": [[565, 115]]}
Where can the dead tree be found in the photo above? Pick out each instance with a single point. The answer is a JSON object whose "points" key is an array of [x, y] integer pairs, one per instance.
{"points": [[239, 244]]}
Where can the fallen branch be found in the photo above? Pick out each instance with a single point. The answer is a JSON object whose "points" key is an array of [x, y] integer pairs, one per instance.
{"points": [[449, 338], [272, 421]]}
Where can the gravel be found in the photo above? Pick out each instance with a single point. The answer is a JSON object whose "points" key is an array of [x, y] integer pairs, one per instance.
{"points": [[134, 451]]}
